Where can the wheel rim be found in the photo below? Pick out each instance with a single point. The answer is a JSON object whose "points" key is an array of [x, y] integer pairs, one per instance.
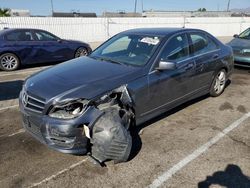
{"points": [[81, 52], [220, 82], [9, 62]]}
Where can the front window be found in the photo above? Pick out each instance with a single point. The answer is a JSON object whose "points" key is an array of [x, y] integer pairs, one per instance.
{"points": [[45, 36], [245, 34], [176, 49], [128, 49]]}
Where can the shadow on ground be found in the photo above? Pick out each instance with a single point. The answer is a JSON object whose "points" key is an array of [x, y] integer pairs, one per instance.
{"points": [[242, 70], [135, 131], [231, 177], [39, 65], [137, 144], [10, 90]]}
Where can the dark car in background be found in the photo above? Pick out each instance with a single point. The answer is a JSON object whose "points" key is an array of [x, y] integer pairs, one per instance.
{"points": [[241, 48], [33, 46], [88, 104]]}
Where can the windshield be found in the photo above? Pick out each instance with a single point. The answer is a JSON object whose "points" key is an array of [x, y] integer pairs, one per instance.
{"points": [[128, 49], [245, 34]]}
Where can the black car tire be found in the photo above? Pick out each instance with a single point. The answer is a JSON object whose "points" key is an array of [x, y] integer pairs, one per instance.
{"points": [[82, 51], [219, 83], [9, 62]]}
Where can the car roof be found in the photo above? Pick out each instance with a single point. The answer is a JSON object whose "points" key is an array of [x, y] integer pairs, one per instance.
{"points": [[158, 31], [7, 30]]}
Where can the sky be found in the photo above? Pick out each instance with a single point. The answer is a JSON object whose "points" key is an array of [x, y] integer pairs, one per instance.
{"points": [[43, 7]]}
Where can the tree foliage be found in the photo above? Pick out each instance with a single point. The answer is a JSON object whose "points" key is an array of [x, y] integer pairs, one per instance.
{"points": [[4, 12], [202, 9]]}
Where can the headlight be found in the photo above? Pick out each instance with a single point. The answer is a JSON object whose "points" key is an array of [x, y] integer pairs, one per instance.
{"points": [[68, 111]]}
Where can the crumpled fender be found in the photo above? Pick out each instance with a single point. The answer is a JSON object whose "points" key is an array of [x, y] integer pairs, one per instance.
{"points": [[110, 139]]}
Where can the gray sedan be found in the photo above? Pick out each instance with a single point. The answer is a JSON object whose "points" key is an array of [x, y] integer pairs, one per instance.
{"points": [[89, 104]]}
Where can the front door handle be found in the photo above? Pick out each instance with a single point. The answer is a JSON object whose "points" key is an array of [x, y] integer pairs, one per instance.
{"points": [[189, 66]]}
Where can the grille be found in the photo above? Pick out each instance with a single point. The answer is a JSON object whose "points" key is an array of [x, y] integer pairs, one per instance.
{"points": [[33, 128], [33, 103]]}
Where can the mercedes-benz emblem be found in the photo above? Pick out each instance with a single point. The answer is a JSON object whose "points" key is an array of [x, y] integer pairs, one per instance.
{"points": [[25, 99]]}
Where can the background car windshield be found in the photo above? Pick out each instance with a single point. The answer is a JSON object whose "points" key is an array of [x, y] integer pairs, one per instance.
{"points": [[128, 49], [245, 34]]}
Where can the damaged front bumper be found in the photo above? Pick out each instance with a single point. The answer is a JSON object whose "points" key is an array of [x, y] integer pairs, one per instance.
{"points": [[102, 128], [66, 136]]}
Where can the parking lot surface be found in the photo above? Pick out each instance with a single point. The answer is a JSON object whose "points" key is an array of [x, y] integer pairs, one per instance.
{"points": [[201, 143]]}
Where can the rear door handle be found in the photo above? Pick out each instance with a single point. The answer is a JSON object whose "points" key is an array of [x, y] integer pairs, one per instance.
{"points": [[215, 56]]}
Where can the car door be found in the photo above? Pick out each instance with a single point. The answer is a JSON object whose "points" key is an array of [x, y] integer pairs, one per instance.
{"points": [[168, 88], [51, 48], [206, 54], [20, 42]]}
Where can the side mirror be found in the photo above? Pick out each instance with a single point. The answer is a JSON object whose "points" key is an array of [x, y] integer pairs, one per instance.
{"points": [[163, 65], [59, 40], [236, 36]]}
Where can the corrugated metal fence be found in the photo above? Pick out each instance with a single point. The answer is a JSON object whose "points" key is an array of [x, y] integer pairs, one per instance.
{"points": [[100, 29]]}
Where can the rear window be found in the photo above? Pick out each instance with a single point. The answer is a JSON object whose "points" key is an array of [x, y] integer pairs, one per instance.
{"points": [[19, 36]]}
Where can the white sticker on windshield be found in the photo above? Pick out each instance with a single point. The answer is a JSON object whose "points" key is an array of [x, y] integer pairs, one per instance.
{"points": [[148, 40]]}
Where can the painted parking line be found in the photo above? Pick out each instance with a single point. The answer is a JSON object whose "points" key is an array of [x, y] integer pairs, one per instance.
{"points": [[169, 173], [58, 173], [8, 107], [13, 134], [18, 132], [24, 72]]}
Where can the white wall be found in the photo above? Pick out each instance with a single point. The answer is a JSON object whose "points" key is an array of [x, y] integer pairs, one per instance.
{"points": [[100, 29]]}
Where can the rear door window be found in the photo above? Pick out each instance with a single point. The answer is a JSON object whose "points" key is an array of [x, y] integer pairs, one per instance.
{"points": [[202, 44]]}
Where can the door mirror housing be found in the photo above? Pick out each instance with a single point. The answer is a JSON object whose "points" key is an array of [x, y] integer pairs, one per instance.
{"points": [[236, 36], [164, 65]]}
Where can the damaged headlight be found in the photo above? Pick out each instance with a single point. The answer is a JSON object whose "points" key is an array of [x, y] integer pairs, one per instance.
{"points": [[69, 111]]}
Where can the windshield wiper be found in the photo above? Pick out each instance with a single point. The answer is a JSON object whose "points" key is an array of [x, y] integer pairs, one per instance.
{"points": [[107, 59]]}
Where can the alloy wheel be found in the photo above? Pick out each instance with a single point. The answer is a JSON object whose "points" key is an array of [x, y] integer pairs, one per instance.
{"points": [[81, 52], [220, 82], [9, 62]]}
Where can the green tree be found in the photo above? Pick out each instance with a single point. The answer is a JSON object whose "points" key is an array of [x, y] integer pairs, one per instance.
{"points": [[4, 12], [202, 9]]}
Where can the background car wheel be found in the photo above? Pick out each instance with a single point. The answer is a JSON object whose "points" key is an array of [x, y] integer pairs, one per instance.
{"points": [[219, 83], [9, 62], [81, 52]]}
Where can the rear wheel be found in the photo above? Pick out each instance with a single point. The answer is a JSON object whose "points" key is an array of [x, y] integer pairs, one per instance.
{"points": [[219, 83], [81, 52], [9, 62]]}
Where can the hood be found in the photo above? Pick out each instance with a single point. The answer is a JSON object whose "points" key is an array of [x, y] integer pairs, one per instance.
{"points": [[80, 78], [238, 43]]}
